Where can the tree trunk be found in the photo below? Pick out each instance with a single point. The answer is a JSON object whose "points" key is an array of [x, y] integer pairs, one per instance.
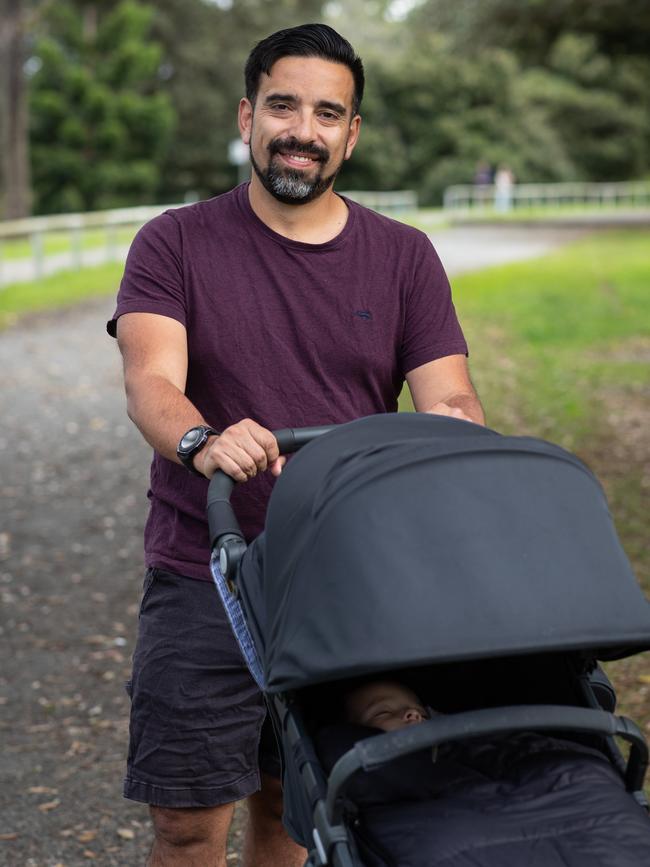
{"points": [[14, 116]]}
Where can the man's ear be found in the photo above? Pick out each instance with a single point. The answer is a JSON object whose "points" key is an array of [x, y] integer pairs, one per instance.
{"points": [[245, 119], [353, 135]]}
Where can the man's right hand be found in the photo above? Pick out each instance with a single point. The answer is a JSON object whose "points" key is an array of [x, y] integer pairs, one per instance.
{"points": [[241, 451]]}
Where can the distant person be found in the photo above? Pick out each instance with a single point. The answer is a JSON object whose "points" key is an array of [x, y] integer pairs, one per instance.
{"points": [[277, 304], [483, 174], [504, 181]]}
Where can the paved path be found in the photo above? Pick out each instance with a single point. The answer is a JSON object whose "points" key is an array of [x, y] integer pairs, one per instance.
{"points": [[473, 247], [73, 477]]}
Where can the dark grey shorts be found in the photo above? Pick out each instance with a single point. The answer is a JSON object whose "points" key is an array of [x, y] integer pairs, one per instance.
{"points": [[196, 713]]}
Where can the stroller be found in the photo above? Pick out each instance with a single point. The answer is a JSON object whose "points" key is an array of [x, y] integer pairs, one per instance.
{"points": [[485, 571]]}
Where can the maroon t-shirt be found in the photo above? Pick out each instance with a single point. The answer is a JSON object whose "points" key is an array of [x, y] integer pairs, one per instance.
{"points": [[286, 333]]}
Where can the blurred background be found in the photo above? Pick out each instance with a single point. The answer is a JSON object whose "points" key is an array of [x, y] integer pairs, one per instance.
{"points": [[516, 133], [110, 103]]}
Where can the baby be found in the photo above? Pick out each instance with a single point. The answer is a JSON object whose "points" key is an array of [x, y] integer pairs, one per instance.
{"points": [[384, 704]]}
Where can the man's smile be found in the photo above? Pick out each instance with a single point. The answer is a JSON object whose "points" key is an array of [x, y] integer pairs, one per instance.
{"points": [[296, 160]]}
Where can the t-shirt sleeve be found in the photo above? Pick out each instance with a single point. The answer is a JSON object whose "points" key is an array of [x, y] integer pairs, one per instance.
{"points": [[431, 327], [153, 274]]}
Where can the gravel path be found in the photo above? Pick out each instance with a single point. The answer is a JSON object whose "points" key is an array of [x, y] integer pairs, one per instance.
{"points": [[73, 477]]}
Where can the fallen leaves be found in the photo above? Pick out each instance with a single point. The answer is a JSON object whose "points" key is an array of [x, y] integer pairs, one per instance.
{"points": [[49, 805], [125, 833]]}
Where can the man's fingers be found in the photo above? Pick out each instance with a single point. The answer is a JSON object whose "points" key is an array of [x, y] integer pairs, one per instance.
{"points": [[277, 465], [255, 439], [266, 441], [228, 465]]}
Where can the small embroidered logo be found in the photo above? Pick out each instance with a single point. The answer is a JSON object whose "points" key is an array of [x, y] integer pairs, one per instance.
{"points": [[363, 314]]}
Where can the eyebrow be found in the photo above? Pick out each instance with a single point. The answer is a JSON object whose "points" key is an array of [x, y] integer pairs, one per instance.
{"points": [[288, 97]]}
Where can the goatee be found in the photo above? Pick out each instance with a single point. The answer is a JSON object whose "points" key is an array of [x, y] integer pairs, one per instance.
{"points": [[288, 185]]}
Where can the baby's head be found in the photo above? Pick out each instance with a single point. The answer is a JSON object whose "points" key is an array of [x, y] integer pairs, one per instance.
{"points": [[384, 704]]}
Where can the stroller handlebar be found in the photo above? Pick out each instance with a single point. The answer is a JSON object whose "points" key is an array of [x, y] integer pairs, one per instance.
{"points": [[225, 533]]}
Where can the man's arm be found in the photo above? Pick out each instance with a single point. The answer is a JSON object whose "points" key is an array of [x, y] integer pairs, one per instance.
{"points": [[154, 351], [443, 387]]}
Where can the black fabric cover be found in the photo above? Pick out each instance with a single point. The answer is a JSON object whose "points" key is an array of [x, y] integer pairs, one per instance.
{"points": [[527, 799], [407, 539]]}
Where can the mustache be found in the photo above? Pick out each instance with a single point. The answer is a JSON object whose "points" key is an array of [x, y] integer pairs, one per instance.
{"points": [[309, 149]]}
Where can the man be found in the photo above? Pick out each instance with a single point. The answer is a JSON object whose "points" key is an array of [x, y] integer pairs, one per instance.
{"points": [[279, 304]]}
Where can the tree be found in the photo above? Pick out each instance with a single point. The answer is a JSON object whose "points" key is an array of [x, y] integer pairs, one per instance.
{"points": [[584, 74], [14, 140], [100, 124]]}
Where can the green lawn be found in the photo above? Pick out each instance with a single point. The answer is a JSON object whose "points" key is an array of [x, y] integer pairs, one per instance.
{"points": [[58, 290]]}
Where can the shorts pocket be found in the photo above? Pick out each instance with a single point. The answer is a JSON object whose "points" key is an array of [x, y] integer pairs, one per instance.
{"points": [[147, 586]]}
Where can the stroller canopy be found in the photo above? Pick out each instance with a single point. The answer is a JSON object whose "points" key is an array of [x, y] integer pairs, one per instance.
{"points": [[402, 540]]}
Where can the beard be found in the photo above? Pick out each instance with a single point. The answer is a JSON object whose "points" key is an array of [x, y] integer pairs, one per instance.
{"points": [[288, 185]]}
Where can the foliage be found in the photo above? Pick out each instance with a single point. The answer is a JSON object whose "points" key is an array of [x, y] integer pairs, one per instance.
{"points": [[432, 115], [100, 121], [584, 75], [133, 103]]}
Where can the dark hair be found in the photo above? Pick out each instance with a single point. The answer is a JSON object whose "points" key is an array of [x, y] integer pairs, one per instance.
{"points": [[307, 40]]}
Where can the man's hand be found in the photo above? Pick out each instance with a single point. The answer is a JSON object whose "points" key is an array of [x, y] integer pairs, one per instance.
{"points": [[241, 451], [443, 408]]}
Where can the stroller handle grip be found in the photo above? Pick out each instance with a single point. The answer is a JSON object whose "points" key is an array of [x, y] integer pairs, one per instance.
{"points": [[225, 532], [373, 752]]}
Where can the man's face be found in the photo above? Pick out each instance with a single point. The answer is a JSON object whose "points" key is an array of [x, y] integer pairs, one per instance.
{"points": [[301, 129], [385, 705]]}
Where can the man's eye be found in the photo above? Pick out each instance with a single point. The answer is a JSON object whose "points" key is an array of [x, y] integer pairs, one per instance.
{"points": [[280, 106], [329, 115]]}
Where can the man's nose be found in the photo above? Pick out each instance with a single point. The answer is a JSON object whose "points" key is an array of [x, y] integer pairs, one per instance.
{"points": [[412, 715], [303, 127]]}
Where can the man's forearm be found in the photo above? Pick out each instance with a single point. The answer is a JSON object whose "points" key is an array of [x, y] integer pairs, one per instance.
{"points": [[160, 411]]}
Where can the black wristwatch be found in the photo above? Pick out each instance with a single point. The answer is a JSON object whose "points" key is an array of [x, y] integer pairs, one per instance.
{"points": [[191, 444]]}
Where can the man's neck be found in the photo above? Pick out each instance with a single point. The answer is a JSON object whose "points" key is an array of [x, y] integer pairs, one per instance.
{"points": [[315, 222]]}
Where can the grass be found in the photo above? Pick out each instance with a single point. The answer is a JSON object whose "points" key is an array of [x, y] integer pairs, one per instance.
{"points": [[59, 290], [550, 212]]}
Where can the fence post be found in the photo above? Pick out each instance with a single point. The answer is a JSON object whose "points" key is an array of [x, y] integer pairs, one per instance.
{"points": [[36, 239]]}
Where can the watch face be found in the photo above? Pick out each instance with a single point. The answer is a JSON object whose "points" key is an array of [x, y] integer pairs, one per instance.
{"points": [[191, 439]]}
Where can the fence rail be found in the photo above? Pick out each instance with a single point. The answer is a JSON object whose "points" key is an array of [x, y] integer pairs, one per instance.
{"points": [[393, 202], [489, 197], [73, 230]]}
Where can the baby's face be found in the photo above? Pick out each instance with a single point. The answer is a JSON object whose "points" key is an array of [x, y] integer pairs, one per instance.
{"points": [[385, 705]]}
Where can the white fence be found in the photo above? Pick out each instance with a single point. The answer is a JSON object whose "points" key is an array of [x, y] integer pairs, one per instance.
{"points": [[76, 249], [393, 202], [73, 229], [466, 198]]}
